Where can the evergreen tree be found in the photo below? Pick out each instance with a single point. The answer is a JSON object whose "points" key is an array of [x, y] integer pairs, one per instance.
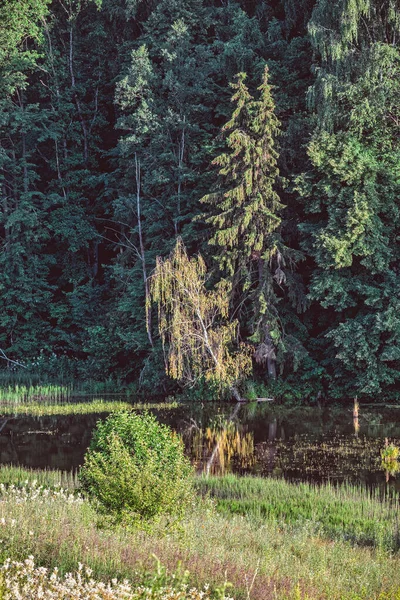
{"points": [[24, 289], [169, 103], [352, 194], [246, 219], [73, 92]]}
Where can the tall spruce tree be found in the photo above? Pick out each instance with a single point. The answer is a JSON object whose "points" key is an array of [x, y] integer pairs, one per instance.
{"points": [[352, 193], [245, 225]]}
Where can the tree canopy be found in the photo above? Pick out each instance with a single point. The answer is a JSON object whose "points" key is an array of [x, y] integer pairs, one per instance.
{"points": [[251, 148]]}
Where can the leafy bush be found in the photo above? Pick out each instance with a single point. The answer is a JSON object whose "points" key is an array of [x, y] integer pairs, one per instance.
{"points": [[136, 466]]}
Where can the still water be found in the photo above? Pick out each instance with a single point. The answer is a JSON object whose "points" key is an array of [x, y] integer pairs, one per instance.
{"points": [[308, 444]]}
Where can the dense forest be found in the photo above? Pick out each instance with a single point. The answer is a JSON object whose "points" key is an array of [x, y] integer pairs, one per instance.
{"points": [[263, 135]]}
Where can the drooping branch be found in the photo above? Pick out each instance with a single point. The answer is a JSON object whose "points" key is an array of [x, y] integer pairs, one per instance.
{"points": [[194, 325], [14, 362]]}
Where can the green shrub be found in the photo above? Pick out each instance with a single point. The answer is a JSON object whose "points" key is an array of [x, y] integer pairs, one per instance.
{"points": [[135, 466]]}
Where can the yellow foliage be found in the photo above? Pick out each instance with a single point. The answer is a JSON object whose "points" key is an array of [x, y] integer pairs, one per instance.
{"points": [[196, 333]]}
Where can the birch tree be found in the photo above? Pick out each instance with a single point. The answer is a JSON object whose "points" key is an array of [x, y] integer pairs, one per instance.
{"points": [[197, 336]]}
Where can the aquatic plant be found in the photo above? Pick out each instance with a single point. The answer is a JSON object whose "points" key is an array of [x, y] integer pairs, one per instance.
{"points": [[390, 464], [338, 458], [14, 394], [96, 405], [390, 453]]}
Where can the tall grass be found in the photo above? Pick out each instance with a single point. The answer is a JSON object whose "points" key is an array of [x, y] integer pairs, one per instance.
{"points": [[19, 476], [346, 512], [36, 378], [49, 407], [15, 394], [28, 390], [265, 557]]}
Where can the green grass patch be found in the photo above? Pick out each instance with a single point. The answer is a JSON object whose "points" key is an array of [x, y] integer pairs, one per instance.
{"points": [[19, 477], [34, 393], [344, 512], [41, 409], [266, 560]]}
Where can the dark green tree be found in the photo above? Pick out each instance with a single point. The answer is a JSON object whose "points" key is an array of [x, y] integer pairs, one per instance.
{"points": [[352, 194], [24, 289]]}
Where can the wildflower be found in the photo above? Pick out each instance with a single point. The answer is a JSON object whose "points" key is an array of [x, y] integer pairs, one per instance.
{"points": [[24, 581]]}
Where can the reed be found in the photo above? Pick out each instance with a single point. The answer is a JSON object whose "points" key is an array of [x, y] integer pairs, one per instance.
{"points": [[20, 393], [346, 512], [95, 405]]}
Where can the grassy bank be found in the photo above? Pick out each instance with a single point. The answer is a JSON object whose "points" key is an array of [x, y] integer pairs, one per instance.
{"points": [[272, 554], [345, 512], [99, 405], [51, 479]]}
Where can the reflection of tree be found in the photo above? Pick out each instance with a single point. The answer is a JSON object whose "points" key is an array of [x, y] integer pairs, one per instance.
{"points": [[220, 447]]}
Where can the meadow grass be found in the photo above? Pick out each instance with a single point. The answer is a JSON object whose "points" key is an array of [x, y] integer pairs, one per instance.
{"points": [[265, 558], [25, 581]]}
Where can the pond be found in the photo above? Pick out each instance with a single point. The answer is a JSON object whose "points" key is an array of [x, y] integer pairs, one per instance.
{"points": [[310, 444]]}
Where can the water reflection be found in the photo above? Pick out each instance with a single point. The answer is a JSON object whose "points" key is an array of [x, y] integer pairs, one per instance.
{"points": [[222, 451], [300, 444]]}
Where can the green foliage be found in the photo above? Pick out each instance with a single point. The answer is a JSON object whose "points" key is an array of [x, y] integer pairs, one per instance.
{"points": [[136, 468], [110, 115], [351, 193], [390, 453], [247, 216]]}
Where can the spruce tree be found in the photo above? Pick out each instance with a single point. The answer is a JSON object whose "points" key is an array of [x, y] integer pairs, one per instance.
{"points": [[246, 217], [352, 194]]}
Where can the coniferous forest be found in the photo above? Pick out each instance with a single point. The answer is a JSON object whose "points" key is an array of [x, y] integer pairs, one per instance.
{"points": [[246, 152]]}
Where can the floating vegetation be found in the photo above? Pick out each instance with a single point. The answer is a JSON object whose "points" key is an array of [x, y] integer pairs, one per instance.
{"points": [[390, 453], [339, 458], [390, 464]]}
